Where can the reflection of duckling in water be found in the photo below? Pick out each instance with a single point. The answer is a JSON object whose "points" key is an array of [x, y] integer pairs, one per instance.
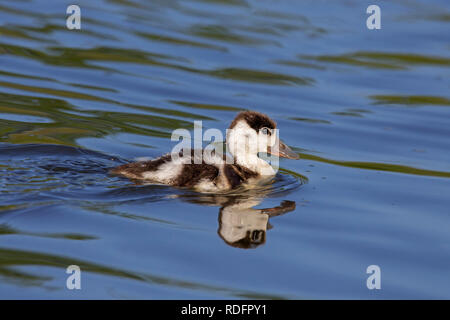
{"points": [[241, 226]]}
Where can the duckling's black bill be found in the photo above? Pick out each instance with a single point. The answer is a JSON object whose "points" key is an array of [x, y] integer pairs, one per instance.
{"points": [[283, 151]]}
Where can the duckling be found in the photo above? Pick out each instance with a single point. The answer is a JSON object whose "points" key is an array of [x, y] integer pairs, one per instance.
{"points": [[250, 133]]}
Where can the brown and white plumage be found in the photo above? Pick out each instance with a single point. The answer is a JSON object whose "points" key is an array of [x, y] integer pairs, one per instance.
{"points": [[249, 133]]}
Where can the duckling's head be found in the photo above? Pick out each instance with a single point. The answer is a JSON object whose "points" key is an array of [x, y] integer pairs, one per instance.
{"points": [[251, 133]]}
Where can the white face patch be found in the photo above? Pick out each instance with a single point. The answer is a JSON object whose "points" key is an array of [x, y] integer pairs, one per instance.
{"points": [[242, 139], [244, 143], [266, 140]]}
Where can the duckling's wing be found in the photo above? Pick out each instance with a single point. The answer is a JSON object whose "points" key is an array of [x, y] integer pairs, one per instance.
{"points": [[141, 169], [167, 170]]}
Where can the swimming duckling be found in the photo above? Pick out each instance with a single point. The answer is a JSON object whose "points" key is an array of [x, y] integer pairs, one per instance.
{"points": [[250, 133]]}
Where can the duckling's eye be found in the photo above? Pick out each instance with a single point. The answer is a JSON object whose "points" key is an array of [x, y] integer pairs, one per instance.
{"points": [[266, 131]]}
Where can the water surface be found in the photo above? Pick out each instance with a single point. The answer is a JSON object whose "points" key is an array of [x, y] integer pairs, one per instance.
{"points": [[368, 112]]}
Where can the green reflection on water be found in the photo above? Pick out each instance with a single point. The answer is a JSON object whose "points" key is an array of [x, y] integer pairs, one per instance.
{"points": [[12, 258], [410, 100], [83, 58], [381, 60], [378, 166]]}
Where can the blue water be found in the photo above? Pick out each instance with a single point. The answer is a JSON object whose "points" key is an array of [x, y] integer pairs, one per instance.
{"points": [[367, 110]]}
